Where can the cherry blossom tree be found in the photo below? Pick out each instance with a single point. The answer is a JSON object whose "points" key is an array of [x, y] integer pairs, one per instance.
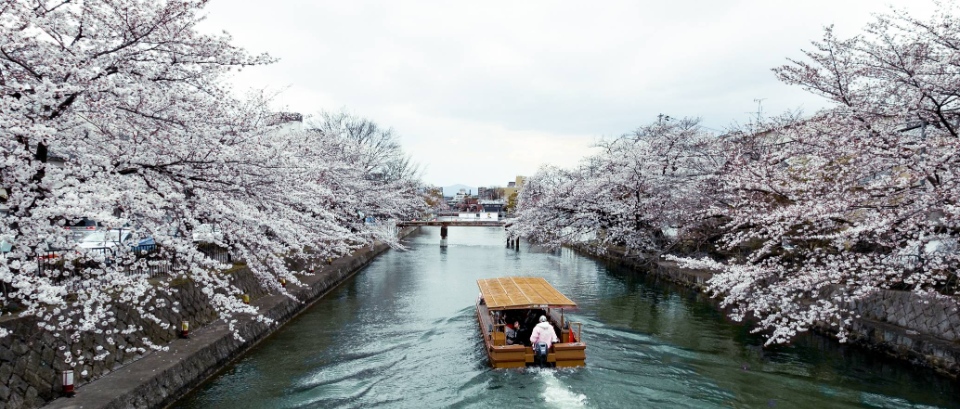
{"points": [[805, 217], [540, 216], [118, 111], [860, 197], [634, 194], [375, 149]]}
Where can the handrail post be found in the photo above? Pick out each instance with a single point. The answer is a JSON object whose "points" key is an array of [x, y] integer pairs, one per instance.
{"points": [[499, 328]]}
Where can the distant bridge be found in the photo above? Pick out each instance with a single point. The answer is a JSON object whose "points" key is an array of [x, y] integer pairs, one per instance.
{"points": [[473, 223]]}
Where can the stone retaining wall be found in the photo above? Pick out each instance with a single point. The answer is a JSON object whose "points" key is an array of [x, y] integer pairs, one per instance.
{"points": [[901, 324], [937, 317], [30, 365], [31, 358], [908, 326]]}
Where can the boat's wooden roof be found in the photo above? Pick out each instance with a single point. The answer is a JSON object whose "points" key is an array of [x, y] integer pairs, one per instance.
{"points": [[507, 293]]}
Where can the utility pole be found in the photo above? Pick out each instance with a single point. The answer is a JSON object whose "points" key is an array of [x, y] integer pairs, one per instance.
{"points": [[759, 112]]}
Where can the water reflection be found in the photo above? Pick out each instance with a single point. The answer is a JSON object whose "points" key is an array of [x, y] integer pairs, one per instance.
{"points": [[402, 333]]}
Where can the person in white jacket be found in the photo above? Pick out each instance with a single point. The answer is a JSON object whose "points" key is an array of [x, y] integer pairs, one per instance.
{"points": [[543, 332]]}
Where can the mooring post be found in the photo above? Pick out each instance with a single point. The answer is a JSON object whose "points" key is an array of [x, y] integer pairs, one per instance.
{"points": [[443, 234]]}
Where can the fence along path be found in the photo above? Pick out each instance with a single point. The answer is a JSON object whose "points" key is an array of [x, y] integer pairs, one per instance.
{"points": [[146, 263]]}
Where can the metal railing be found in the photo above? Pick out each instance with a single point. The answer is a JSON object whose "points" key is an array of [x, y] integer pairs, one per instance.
{"points": [[146, 260], [219, 254]]}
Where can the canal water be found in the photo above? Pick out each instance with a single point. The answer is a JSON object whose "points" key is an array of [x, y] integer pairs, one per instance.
{"points": [[402, 333]]}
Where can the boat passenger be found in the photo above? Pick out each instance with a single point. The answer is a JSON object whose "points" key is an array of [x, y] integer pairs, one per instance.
{"points": [[511, 330], [544, 333]]}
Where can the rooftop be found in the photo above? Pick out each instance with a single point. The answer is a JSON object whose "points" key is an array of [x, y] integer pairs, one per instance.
{"points": [[508, 293]]}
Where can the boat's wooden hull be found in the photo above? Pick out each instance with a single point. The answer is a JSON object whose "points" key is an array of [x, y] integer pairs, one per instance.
{"points": [[563, 355]]}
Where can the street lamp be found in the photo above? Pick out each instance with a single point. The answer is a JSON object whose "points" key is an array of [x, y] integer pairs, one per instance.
{"points": [[67, 379]]}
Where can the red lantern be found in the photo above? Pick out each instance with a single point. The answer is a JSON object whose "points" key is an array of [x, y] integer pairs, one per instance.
{"points": [[185, 329]]}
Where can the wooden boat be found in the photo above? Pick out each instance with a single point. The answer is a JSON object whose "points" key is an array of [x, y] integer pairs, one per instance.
{"points": [[524, 299]]}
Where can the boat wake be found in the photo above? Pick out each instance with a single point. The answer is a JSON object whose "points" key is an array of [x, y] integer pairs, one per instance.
{"points": [[558, 395]]}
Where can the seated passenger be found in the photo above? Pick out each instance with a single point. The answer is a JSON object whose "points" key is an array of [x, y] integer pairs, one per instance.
{"points": [[511, 330]]}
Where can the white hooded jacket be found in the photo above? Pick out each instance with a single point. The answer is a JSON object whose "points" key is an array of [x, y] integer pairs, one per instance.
{"points": [[543, 332]]}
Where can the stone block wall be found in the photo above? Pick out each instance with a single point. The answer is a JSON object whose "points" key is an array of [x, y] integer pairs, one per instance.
{"points": [[937, 317], [31, 358], [159, 378], [911, 327]]}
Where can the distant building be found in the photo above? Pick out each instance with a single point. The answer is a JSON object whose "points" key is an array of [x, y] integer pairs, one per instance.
{"points": [[492, 206], [514, 187], [461, 196]]}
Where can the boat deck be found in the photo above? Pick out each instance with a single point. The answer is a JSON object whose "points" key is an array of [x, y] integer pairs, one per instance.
{"points": [[501, 355]]}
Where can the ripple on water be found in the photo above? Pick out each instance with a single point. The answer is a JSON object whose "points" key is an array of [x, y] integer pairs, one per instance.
{"points": [[888, 402], [346, 393], [402, 333], [368, 367]]}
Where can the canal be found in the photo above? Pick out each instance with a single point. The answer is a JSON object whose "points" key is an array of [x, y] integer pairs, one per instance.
{"points": [[402, 333]]}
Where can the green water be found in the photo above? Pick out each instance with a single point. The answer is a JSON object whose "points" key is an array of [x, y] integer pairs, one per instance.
{"points": [[402, 333]]}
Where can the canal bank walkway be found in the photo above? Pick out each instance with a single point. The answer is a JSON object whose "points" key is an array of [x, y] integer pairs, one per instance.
{"points": [[161, 377]]}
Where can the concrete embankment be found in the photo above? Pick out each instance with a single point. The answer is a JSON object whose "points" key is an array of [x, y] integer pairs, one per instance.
{"points": [[900, 324], [159, 378]]}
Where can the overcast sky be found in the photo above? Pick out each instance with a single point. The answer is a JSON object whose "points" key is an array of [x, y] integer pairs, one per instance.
{"points": [[479, 92]]}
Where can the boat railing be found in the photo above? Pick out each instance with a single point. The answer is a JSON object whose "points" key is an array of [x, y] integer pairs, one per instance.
{"points": [[499, 335], [579, 326]]}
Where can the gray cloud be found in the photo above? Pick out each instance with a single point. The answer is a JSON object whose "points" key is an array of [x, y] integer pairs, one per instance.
{"points": [[480, 92]]}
